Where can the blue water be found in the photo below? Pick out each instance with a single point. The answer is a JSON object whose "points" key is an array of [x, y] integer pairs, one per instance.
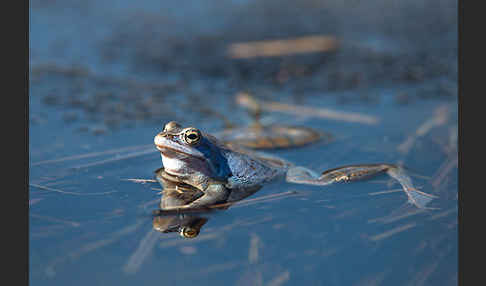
{"points": [[91, 226]]}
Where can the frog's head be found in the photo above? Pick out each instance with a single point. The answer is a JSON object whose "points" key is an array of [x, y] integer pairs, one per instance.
{"points": [[189, 152]]}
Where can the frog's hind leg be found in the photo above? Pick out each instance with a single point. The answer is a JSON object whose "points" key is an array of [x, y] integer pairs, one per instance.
{"points": [[301, 175]]}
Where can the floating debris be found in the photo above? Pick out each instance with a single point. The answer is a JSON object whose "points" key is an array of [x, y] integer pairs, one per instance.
{"points": [[275, 48], [246, 100]]}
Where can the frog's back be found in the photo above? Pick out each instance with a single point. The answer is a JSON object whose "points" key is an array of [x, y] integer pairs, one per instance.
{"points": [[251, 169], [248, 168]]}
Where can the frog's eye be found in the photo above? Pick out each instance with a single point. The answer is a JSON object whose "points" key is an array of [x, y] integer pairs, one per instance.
{"points": [[192, 136], [188, 232]]}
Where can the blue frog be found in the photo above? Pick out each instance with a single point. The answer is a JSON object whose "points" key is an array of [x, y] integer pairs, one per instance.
{"points": [[227, 173]]}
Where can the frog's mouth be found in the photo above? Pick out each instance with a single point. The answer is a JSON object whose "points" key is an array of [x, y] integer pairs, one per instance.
{"points": [[171, 152], [171, 149]]}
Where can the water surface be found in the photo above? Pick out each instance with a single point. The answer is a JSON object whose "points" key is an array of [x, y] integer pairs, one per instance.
{"points": [[101, 89]]}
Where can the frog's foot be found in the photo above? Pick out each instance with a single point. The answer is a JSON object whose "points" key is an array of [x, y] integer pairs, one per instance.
{"points": [[415, 197], [213, 194], [301, 175]]}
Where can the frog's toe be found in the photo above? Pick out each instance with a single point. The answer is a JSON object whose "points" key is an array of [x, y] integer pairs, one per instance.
{"points": [[418, 198], [415, 197]]}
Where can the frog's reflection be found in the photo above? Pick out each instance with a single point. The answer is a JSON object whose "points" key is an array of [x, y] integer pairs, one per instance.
{"points": [[187, 223], [188, 226]]}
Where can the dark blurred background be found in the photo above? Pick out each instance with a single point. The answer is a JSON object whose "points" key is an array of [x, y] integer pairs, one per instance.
{"points": [[167, 47]]}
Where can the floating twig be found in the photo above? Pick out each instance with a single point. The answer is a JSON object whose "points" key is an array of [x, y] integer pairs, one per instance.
{"points": [[274, 48], [246, 100]]}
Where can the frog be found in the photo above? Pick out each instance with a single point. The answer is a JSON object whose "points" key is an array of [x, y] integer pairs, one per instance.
{"points": [[227, 172]]}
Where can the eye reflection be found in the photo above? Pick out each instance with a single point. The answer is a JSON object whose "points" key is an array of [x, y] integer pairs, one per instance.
{"points": [[188, 232]]}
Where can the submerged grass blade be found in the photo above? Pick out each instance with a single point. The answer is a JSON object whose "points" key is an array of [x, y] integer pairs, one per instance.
{"points": [[391, 232], [439, 118], [89, 155], [145, 248], [115, 159], [69, 193], [53, 219], [92, 246]]}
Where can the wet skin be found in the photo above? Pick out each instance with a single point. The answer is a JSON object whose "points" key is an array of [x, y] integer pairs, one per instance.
{"points": [[224, 173]]}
